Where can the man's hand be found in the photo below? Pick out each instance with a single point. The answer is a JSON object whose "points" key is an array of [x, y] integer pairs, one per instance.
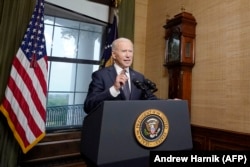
{"points": [[120, 80]]}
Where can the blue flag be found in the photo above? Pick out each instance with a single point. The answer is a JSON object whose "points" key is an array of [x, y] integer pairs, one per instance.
{"points": [[112, 34]]}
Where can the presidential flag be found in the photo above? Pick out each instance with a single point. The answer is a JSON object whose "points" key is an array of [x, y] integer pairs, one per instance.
{"points": [[24, 104], [111, 36]]}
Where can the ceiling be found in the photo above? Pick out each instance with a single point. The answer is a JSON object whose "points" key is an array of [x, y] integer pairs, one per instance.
{"points": [[54, 10], [104, 2]]}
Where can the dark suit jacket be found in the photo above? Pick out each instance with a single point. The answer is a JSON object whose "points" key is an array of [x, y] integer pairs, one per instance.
{"points": [[103, 79]]}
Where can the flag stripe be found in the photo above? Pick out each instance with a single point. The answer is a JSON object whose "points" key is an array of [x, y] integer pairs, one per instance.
{"points": [[23, 106], [17, 119], [30, 96], [29, 91], [41, 73], [37, 94]]}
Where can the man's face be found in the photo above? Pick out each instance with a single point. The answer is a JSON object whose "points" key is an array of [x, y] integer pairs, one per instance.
{"points": [[123, 54]]}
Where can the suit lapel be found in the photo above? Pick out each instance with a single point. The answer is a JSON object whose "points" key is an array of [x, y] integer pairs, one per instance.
{"points": [[112, 73]]}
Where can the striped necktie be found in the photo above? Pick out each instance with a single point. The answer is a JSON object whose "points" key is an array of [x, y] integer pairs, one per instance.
{"points": [[125, 88]]}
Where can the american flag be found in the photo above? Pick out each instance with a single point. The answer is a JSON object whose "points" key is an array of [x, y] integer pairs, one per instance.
{"points": [[111, 36], [24, 104]]}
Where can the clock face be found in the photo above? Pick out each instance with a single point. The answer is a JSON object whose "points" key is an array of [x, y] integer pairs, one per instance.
{"points": [[174, 48]]}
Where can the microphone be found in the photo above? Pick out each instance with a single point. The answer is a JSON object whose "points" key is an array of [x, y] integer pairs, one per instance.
{"points": [[139, 84], [151, 85], [147, 86]]}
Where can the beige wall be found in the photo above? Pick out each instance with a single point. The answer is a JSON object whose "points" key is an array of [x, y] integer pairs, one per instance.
{"points": [[140, 34], [221, 75], [150, 45]]}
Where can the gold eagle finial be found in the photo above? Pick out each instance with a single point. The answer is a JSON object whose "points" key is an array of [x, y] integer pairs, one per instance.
{"points": [[116, 3]]}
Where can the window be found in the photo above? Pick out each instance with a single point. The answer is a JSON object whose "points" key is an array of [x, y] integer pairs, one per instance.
{"points": [[74, 50]]}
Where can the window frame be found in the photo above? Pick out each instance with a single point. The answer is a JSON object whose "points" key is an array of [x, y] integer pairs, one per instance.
{"points": [[59, 12]]}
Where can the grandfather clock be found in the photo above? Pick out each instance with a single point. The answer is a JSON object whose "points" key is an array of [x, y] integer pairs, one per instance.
{"points": [[180, 55]]}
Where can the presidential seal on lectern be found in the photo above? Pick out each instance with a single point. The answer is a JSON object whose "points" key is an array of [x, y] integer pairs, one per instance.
{"points": [[151, 128]]}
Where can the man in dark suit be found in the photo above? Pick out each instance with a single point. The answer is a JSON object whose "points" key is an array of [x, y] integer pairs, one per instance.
{"points": [[116, 81]]}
